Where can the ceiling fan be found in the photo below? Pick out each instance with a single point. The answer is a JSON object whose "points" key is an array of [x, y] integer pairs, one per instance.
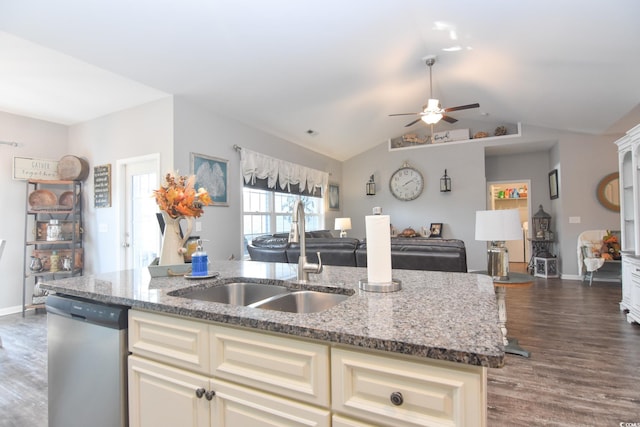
{"points": [[432, 113]]}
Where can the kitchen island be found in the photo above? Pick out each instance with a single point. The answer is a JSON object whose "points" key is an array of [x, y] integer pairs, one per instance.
{"points": [[414, 357]]}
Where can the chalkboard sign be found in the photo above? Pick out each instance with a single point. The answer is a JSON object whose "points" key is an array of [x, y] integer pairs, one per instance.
{"points": [[102, 186]]}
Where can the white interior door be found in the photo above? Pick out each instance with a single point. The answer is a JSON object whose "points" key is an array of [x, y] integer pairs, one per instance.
{"points": [[140, 232]]}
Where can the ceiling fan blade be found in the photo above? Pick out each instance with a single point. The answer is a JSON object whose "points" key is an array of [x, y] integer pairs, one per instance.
{"points": [[449, 119], [412, 123], [462, 107], [403, 114]]}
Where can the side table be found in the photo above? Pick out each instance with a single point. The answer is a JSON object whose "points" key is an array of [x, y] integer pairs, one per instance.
{"points": [[516, 280]]}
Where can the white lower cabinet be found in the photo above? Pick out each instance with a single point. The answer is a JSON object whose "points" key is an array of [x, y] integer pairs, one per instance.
{"points": [[185, 372], [627, 268], [161, 395], [631, 288]]}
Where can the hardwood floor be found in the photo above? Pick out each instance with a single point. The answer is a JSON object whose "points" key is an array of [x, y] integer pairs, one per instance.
{"points": [[584, 368], [23, 370]]}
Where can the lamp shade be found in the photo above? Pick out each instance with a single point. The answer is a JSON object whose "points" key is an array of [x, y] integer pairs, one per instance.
{"points": [[342, 224], [498, 225]]}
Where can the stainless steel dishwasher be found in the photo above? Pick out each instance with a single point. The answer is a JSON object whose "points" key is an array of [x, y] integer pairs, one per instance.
{"points": [[87, 363]]}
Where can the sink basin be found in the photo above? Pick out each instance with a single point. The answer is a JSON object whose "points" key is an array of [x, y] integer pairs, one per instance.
{"points": [[236, 293], [301, 302]]}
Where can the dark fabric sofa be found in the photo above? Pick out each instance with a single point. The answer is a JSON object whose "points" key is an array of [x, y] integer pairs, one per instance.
{"points": [[406, 253]]}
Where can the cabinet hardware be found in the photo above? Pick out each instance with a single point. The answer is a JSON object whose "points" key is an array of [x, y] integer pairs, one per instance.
{"points": [[200, 392], [209, 395], [396, 398]]}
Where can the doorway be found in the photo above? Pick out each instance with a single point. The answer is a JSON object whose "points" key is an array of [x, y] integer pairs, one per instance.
{"points": [[139, 230], [513, 195]]}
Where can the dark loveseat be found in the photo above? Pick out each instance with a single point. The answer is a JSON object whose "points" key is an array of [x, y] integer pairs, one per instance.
{"points": [[406, 253]]}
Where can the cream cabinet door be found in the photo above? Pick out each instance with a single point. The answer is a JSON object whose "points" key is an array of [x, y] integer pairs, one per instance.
{"points": [[339, 421], [161, 396], [235, 406]]}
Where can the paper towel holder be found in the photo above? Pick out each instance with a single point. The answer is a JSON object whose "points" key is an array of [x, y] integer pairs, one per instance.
{"points": [[392, 286]]}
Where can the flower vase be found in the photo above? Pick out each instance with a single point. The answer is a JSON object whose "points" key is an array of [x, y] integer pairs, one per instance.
{"points": [[173, 250]]}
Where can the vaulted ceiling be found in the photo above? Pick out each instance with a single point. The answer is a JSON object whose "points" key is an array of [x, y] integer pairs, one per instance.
{"points": [[338, 68]]}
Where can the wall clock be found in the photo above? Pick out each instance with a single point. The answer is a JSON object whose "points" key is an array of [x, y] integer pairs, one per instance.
{"points": [[406, 183]]}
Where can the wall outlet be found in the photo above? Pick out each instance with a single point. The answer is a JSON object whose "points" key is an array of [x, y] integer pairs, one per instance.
{"points": [[198, 225], [574, 220]]}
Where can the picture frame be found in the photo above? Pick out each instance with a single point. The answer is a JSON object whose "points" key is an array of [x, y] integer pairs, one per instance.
{"points": [[212, 173], [436, 229], [333, 197], [553, 184]]}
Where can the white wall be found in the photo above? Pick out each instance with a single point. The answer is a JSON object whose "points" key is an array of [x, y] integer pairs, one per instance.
{"points": [[582, 161], [200, 131], [138, 131], [37, 139]]}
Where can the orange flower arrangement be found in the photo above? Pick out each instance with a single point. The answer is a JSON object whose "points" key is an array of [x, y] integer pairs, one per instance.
{"points": [[178, 197]]}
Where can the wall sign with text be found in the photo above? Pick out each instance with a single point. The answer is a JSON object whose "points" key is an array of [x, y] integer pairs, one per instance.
{"points": [[102, 186], [29, 168]]}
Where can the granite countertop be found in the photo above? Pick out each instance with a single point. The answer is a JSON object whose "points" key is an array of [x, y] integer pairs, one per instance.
{"points": [[438, 315]]}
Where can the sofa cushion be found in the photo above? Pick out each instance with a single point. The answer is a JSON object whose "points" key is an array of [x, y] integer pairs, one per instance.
{"points": [[406, 253], [268, 241], [422, 254], [333, 251]]}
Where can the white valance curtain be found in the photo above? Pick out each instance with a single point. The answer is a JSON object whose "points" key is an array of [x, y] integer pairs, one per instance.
{"points": [[257, 165]]}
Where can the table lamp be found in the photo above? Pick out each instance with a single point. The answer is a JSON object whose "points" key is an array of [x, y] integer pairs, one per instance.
{"points": [[343, 224], [497, 226]]}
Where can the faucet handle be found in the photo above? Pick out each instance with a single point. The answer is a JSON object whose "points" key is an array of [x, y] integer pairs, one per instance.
{"points": [[319, 268]]}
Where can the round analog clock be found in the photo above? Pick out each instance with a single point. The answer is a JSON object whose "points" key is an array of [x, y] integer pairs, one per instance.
{"points": [[406, 183]]}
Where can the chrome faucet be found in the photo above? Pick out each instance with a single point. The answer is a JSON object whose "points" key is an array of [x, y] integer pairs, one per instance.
{"points": [[297, 235]]}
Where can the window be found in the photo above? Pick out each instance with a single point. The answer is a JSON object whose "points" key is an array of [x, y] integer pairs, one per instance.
{"points": [[269, 212]]}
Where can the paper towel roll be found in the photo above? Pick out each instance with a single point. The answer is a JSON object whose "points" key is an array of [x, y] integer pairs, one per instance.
{"points": [[378, 249]]}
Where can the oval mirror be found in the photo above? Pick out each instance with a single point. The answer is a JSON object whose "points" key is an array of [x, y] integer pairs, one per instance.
{"points": [[609, 192]]}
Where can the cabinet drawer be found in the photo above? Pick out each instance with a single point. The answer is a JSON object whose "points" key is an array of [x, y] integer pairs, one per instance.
{"points": [[286, 366], [425, 393], [179, 342], [239, 406]]}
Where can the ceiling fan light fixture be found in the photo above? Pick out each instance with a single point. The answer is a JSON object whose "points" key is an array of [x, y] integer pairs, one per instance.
{"points": [[431, 118], [432, 113]]}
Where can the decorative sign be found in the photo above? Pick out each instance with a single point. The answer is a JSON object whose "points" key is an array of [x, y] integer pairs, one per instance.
{"points": [[451, 135], [28, 168], [102, 186]]}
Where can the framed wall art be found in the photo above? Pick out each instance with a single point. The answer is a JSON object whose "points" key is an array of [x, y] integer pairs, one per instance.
{"points": [[212, 173], [334, 197], [553, 184]]}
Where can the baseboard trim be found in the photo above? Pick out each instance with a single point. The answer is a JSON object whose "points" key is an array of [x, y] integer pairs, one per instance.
{"points": [[10, 310]]}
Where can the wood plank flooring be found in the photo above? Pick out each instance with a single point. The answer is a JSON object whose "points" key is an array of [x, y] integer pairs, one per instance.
{"points": [[23, 370], [584, 369]]}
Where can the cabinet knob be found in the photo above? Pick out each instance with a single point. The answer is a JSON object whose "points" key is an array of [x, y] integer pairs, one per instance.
{"points": [[200, 392], [396, 398], [209, 395]]}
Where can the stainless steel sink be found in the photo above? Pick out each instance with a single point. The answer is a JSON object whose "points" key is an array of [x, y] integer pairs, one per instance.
{"points": [[236, 293], [301, 302]]}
